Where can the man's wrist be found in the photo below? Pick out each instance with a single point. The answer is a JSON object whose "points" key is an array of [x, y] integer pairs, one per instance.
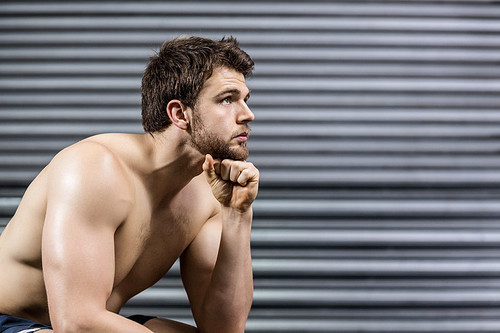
{"points": [[235, 214]]}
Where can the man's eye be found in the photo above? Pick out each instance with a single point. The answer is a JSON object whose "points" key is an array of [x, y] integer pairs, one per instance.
{"points": [[226, 100]]}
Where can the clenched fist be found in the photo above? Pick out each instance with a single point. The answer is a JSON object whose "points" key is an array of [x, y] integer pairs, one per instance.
{"points": [[234, 183]]}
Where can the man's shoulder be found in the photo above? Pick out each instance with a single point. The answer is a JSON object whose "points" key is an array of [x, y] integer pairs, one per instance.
{"points": [[87, 154], [92, 162], [89, 179]]}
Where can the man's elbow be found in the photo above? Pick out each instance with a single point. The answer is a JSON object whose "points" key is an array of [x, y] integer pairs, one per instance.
{"points": [[231, 317], [226, 329], [74, 323], [223, 325], [70, 326]]}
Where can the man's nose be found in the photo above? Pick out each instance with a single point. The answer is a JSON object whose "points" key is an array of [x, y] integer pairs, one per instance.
{"points": [[246, 115]]}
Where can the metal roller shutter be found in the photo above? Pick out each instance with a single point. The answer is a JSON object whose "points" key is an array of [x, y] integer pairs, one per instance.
{"points": [[377, 134]]}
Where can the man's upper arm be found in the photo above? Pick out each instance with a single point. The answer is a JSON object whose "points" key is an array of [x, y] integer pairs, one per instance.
{"points": [[86, 202], [198, 262]]}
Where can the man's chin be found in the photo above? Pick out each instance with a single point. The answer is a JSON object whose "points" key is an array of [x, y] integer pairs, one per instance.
{"points": [[239, 153]]}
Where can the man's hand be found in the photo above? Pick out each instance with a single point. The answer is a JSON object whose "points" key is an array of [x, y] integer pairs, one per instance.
{"points": [[234, 183]]}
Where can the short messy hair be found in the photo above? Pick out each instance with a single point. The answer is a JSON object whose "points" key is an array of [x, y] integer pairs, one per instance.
{"points": [[179, 71]]}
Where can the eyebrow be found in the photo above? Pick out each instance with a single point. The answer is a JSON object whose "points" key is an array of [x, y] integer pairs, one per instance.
{"points": [[231, 91]]}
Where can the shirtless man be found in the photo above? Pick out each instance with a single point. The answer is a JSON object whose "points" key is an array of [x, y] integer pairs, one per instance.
{"points": [[109, 215]]}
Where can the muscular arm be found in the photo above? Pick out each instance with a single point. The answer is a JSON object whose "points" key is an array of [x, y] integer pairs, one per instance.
{"points": [[217, 268], [87, 201]]}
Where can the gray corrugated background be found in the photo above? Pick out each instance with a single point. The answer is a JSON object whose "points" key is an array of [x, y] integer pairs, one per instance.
{"points": [[377, 135]]}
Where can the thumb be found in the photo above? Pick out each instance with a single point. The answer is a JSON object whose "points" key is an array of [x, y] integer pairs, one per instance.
{"points": [[208, 168]]}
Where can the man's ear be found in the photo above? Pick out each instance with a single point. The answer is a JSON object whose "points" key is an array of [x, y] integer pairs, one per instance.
{"points": [[176, 111]]}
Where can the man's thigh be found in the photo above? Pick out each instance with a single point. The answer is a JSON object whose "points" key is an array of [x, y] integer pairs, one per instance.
{"points": [[161, 325]]}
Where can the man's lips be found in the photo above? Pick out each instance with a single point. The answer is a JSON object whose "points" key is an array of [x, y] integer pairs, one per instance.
{"points": [[242, 136]]}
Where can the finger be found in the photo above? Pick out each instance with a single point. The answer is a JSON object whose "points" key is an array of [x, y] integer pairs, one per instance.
{"points": [[243, 177], [225, 169], [235, 171], [208, 168], [208, 163], [217, 166], [248, 175], [232, 169]]}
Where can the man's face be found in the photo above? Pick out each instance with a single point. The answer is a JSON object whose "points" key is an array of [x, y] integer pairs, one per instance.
{"points": [[220, 117]]}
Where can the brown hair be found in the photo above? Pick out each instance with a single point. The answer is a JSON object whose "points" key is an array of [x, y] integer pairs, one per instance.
{"points": [[180, 70]]}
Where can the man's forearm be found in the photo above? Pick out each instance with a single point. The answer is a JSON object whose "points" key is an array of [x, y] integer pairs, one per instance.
{"points": [[230, 292]]}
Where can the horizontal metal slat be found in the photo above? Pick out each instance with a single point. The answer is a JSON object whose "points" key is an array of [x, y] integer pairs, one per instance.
{"points": [[266, 114], [322, 130], [368, 161], [324, 178], [374, 237], [333, 38], [368, 84], [393, 85], [264, 68], [412, 208], [329, 297], [341, 178], [381, 283], [309, 54], [369, 283], [111, 114], [264, 98], [381, 145], [386, 193], [367, 99], [264, 8], [250, 23], [379, 222], [299, 146], [423, 178], [75, 129], [414, 252], [366, 325], [370, 68], [314, 161], [339, 313], [377, 268], [27, 145], [385, 115]]}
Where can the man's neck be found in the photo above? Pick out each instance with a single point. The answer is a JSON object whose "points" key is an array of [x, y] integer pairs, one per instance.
{"points": [[172, 163]]}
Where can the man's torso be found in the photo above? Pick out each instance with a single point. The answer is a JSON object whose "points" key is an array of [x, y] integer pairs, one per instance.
{"points": [[147, 243]]}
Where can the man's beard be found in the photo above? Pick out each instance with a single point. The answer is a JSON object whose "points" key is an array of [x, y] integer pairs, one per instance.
{"points": [[209, 143]]}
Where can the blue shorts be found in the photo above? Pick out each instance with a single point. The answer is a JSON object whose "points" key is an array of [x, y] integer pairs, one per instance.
{"points": [[10, 324]]}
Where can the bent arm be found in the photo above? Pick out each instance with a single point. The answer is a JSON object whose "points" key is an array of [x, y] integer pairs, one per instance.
{"points": [[86, 204], [217, 268], [220, 294]]}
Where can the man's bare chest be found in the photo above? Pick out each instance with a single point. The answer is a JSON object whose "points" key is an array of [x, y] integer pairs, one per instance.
{"points": [[156, 233], [149, 243], [146, 248]]}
